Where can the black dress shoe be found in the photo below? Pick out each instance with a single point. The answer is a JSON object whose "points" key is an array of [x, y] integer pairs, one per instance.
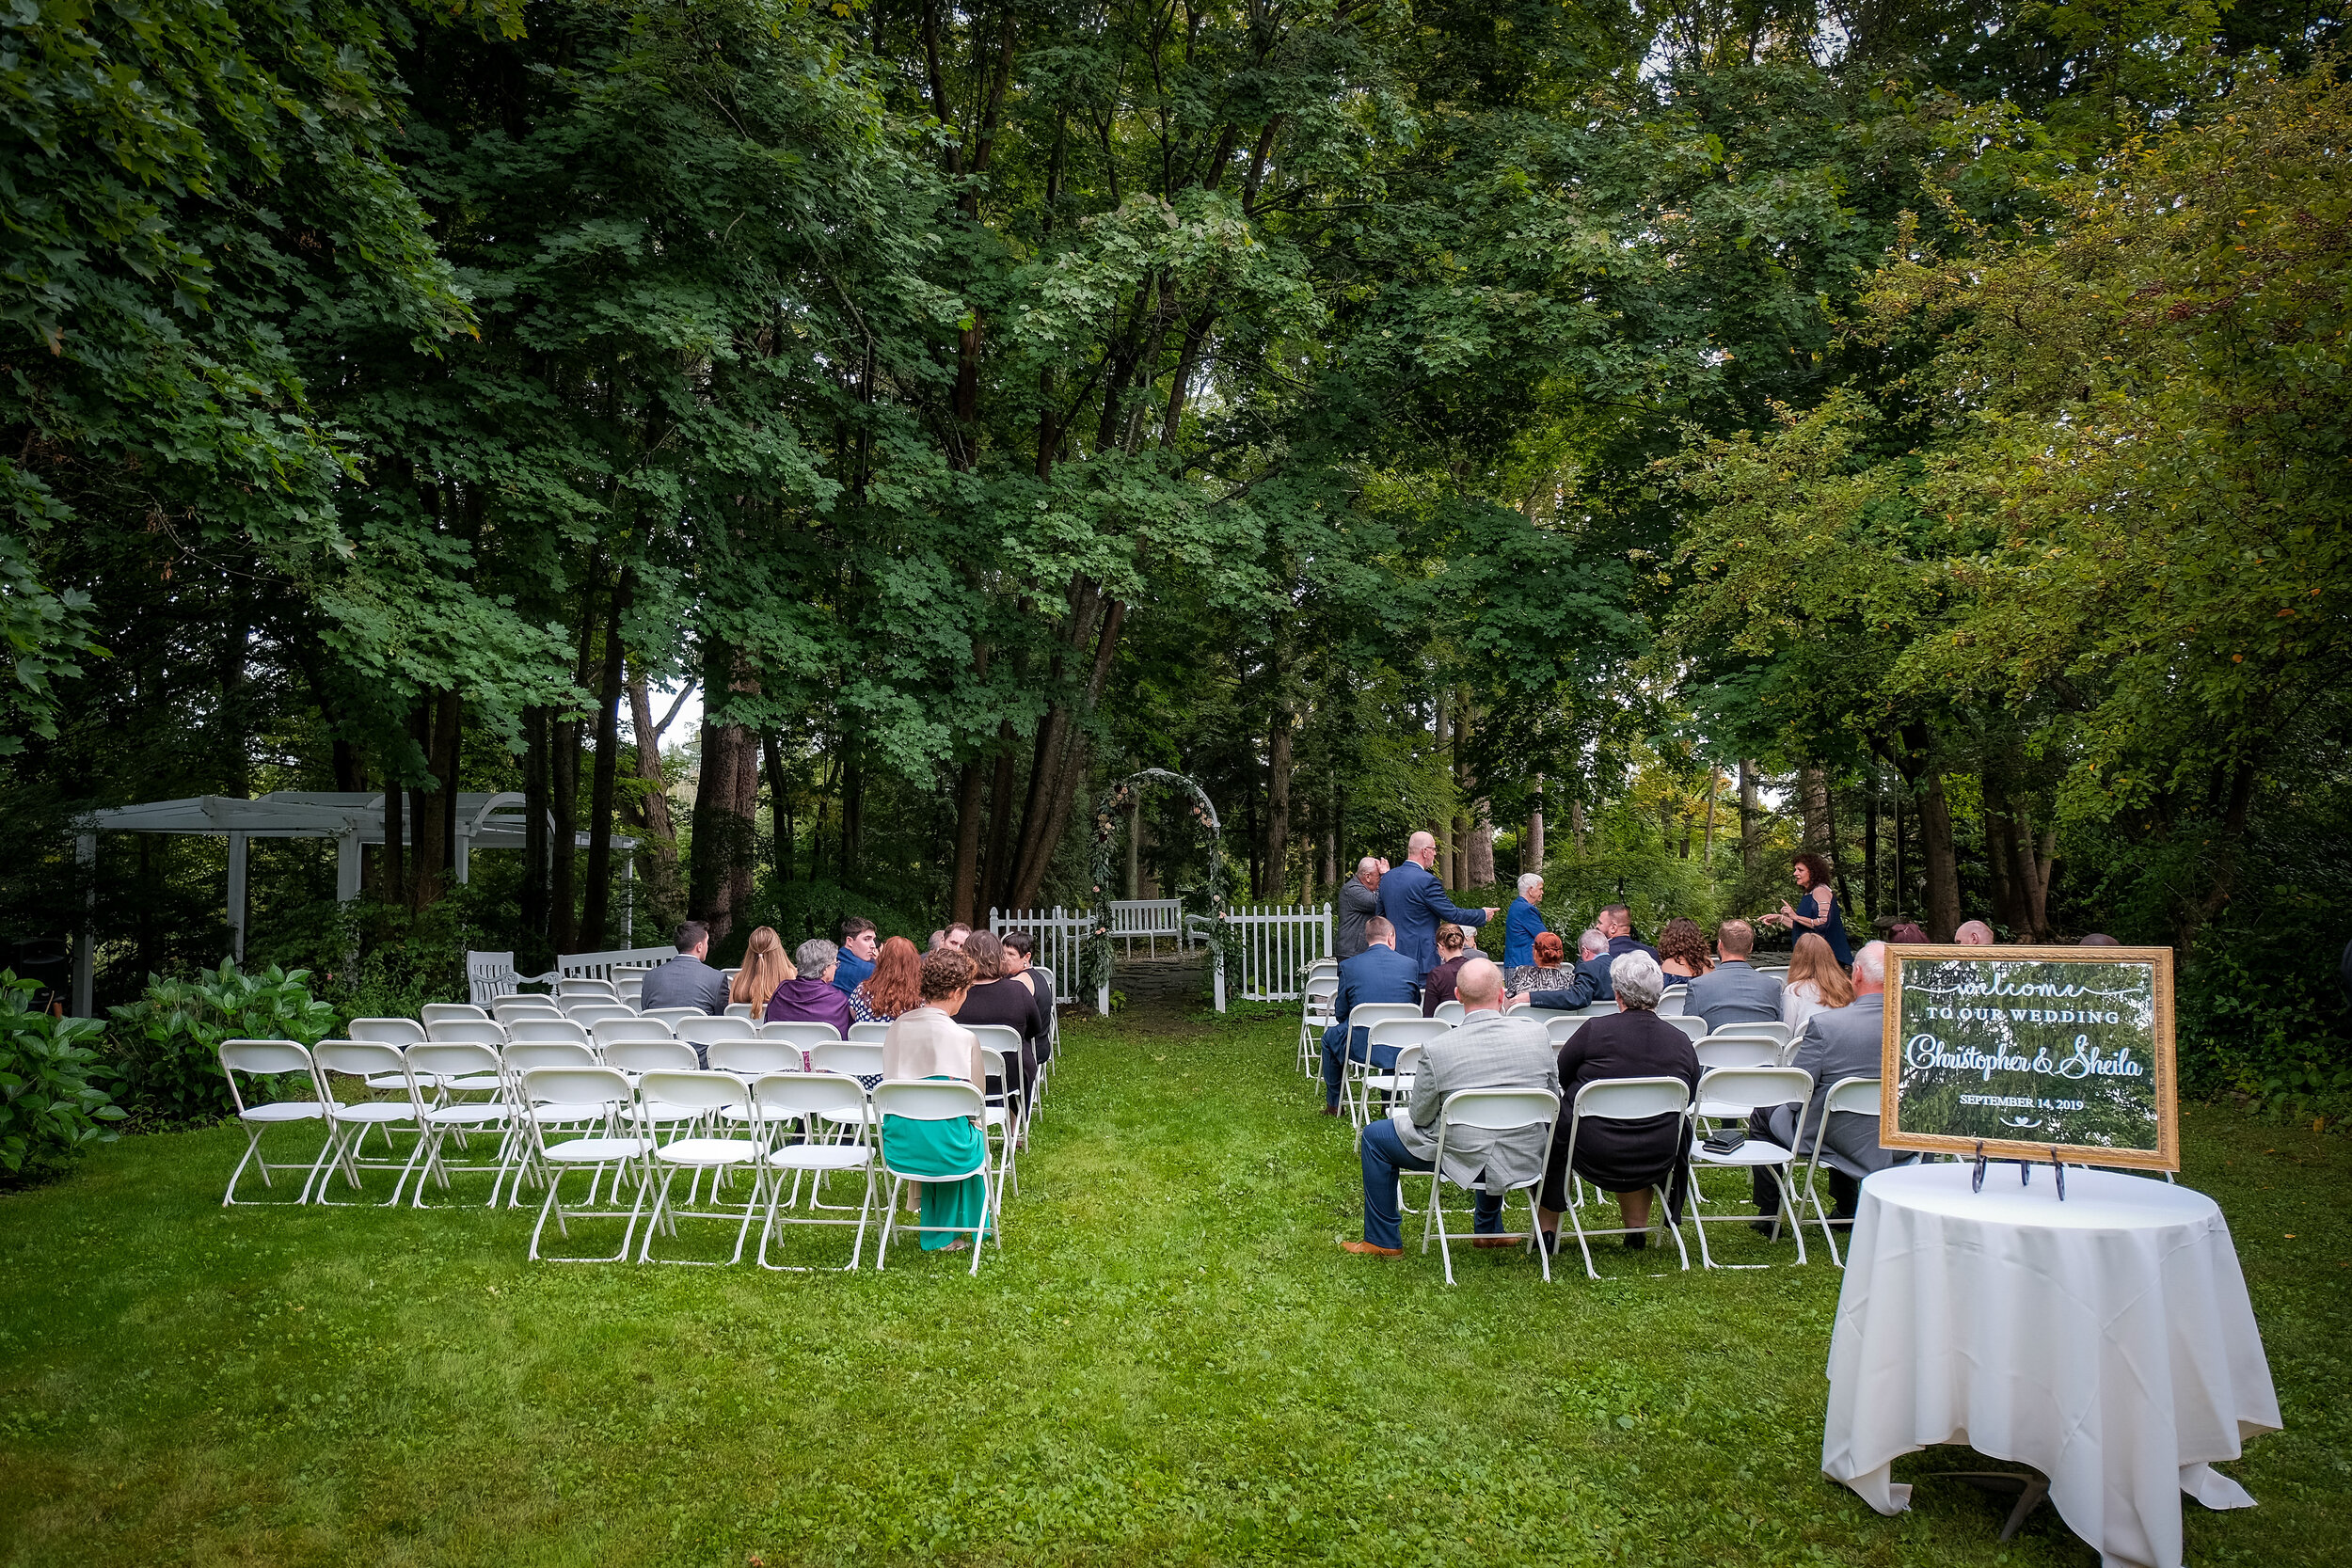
{"points": [[1636, 1243], [1765, 1227]]}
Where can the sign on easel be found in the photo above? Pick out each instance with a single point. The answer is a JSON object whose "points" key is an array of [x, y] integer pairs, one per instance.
{"points": [[2010, 1050]]}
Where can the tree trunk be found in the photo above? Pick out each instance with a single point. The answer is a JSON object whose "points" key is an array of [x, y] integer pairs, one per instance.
{"points": [[431, 811], [1836, 860], [996, 868], [1714, 781], [395, 888], [1575, 826], [1277, 806], [658, 866], [534, 890], [605, 779], [1870, 846], [1443, 733], [2000, 854], [1813, 803], [1748, 812], [963, 877], [727, 803], [1030, 879], [853, 806], [1532, 851], [779, 812], [1935, 842], [1135, 848]]}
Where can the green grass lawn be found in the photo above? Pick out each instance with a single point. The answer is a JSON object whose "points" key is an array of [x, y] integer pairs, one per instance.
{"points": [[1171, 1361]]}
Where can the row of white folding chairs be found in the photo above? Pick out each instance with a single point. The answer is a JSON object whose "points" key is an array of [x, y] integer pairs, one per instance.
{"points": [[518, 1108], [1640, 1099], [692, 1027], [450, 1068]]}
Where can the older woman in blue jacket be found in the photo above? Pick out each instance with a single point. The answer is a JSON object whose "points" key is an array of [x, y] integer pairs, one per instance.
{"points": [[1523, 924]]}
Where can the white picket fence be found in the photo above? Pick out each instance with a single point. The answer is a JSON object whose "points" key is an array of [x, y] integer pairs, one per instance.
{"points": [[1271, 947], [1060, 938], [1150, 919]]}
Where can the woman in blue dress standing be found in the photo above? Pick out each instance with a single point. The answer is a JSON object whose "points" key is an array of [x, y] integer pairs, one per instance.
{"points": [[1817, 910]]}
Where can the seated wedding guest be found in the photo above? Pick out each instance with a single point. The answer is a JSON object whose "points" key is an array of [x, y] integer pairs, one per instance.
{"points": [[1591, 983], [1732, 992], [939, 939], [1624, 1159], [998, 998], [955, 934], [927, 1042], [1838, 1042], [1617, 922], [686, 981], [1379, 974], [894, 987], [856, 961], [1975, 933], [1906, 932], [1521, 924], [1815, 984], [1359, 900], [1019, 945], [1454, 951], [2098, 938], [764, 968], [810, 996], [1485, 1050], [1548, 969], [1682, 950]]}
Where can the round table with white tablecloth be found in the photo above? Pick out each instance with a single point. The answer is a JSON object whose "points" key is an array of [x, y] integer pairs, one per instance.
{"points": [[2105, 1340]]}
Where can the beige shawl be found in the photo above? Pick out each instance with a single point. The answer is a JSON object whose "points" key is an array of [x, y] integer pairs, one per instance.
{"points": [[925, 1042]]}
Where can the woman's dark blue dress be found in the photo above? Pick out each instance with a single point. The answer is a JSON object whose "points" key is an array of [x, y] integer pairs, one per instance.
{"points": [[1835, 931]]}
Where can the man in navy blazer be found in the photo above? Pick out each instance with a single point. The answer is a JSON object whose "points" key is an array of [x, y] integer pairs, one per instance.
{"points": [[1592, 976], [1379, 974], [1414, 901]]}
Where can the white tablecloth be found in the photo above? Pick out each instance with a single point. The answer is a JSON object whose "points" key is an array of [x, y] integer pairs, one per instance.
{"points": [[2106, 1342]]}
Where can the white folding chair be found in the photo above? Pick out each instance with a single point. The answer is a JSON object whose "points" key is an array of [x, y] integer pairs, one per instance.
{"points": [[508, 1008], [1003, 1120], [599, 1099], [1450, 1010], [638, 1057], [593, 1011], [1314, 1017], [271, 1059], [1740, 1091], [804, 1100], [348, 1122], [386, 1030], [1363, 1016], [515, 1061], [452, 1071], [1362, 1079], [444, 1012], [585, 986], [1628, 1100], [1693, 1026], [1558, 1025], [868, 1030], [931, 1100], [1848, 1097], [742, 1009], [552, 1026], [615, 1030], [1494, 1111], [1732, 1050], [466, 1031], [805, 1033], [706, 1096], [674, 1016], [704, 1031], [1672, 1000], [1777, 1032]]}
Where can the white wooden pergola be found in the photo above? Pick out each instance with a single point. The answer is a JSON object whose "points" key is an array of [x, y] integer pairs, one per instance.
{"points": [[351, 819]]}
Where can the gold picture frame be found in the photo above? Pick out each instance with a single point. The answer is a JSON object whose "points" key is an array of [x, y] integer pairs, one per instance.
{"points": [[1976, 1014]]}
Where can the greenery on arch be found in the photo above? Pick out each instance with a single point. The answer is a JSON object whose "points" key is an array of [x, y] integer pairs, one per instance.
{"points": [[1107, 810]]}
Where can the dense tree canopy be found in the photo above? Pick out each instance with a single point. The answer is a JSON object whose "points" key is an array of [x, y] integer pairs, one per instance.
{"points": [[1912, 430]]}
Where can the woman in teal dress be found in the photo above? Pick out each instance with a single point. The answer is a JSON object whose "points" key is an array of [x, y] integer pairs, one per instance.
{"points": [[1819, 912], [927, 1042]]}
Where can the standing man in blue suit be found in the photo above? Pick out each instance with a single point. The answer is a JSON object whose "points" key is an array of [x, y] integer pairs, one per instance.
{"points": [[1414, 901], [1379, 974], [1525, 921]]}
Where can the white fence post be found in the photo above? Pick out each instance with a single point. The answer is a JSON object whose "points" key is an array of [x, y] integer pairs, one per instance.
{"points": [[1276, 943]]}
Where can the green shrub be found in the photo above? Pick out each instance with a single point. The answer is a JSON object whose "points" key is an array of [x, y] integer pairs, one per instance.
{"points": [[50, 1108], [166, 1044]]}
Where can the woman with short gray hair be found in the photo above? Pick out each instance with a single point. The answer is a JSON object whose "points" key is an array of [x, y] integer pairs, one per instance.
{"points": [[1624, 1158], [1523, 924], [811, 997]]}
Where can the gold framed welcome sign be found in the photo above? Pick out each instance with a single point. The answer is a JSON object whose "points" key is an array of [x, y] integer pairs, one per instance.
{"points": [[2014, 1053]]}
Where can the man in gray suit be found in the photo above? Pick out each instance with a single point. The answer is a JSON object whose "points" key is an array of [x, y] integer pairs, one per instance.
{"points": [[686, 981], [1359, 900], [1731, 992], [1843, 1042], [1487, 1051]]}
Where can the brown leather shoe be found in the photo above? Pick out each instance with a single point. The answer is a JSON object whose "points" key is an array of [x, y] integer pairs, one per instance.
{"points": [[1498, 1241], [1330, 1110], [1367, 1249]]}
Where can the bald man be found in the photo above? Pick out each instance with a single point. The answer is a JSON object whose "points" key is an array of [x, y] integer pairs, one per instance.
{"points": [[1414, 901], [1489, 1049]]}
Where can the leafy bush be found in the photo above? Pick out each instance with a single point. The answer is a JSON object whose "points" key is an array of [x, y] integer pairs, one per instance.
{"points": [[167, 1043], [50, 1108], [799, 911]]}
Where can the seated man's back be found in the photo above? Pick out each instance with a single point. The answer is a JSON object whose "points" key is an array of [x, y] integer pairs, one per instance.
{"points": [[686, 981]]}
